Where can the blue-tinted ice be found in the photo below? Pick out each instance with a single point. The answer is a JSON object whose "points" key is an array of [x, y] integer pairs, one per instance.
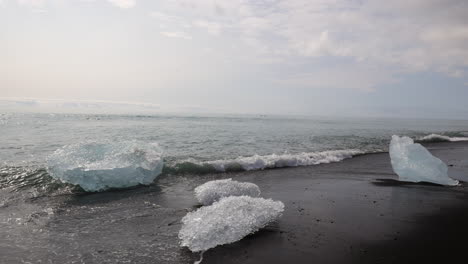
{"points": [[97, 166], [414, 163]]}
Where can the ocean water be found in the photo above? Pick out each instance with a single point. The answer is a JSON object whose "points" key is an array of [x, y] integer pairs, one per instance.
{"points": [[43, 220], [204, 144]]}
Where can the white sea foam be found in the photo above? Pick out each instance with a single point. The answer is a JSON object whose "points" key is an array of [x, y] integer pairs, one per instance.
{"points": [[227, 221], [258, 162], [414, 163], [97, 166], [213, 191], [441, 138]]}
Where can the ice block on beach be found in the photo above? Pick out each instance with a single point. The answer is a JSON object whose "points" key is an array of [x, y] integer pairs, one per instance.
{"points": [[227, 221], [213, 191], [414, 163], [97, 166]]}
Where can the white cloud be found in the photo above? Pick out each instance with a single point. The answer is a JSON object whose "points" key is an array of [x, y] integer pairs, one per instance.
{"points": [[411, 35], [32, 3], [41, 3], [255, 25], [170, 21], [176, 34], [123, 3], [211, 27], [357, 77], [399, 36], [164, 17]]}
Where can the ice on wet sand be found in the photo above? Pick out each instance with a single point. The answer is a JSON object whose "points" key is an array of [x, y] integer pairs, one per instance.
{"points": [[213, 191], [97, 166], [227, 221], [414, 163]]}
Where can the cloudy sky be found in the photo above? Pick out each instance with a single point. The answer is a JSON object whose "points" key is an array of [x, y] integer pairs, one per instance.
{"points": [[312, 57]]}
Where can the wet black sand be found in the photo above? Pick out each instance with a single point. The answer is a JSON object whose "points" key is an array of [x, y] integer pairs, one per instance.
{"points": [[355, 212], [348, 212]]}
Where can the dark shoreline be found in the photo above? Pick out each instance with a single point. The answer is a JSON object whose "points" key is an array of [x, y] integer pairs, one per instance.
{"points": [[355, 212], [351, 211]]}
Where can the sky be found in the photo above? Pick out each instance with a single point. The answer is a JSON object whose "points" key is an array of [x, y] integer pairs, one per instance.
{"points": [[395, 58]]}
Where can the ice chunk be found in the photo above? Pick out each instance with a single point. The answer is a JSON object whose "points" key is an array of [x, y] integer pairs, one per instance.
{"points": [[414, 163], [97, 166], [212, 191], [227, 221]]}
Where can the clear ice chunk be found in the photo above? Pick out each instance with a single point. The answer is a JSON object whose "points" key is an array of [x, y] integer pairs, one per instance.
{"points": [[212, 191], [414, 163], [227, 221], [97, 166]]}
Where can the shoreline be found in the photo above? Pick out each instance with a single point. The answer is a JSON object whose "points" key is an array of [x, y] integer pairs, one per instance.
{"points": [[355, 211], [351, 211]]}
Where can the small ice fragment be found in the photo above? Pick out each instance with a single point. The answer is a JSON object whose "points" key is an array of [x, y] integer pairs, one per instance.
{"points": [[227, 221], [414, 163], [212, 191], [97, 166]]}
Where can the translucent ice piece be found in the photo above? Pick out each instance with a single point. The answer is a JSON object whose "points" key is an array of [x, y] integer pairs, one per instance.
{"points": [[212, 191], [414, 163], [227, 221], [97, 166]]}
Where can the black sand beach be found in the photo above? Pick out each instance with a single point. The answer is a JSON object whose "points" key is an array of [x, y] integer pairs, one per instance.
{"points": [[355, 212], [348, 212]]}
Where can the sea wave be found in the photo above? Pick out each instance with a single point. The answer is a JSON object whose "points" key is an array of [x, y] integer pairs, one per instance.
{"points": [[124, 159], [31, 182], [60, 165], [261, 162], [440, 138]]}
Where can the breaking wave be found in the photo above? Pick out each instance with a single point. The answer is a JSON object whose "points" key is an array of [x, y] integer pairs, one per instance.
{"points": [[441, 138], [258, 162], [100, 166]]}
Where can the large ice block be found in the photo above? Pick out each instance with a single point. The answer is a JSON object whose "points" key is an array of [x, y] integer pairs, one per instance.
{"points": [[414, 163], [97, 166], [227, 221]]}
